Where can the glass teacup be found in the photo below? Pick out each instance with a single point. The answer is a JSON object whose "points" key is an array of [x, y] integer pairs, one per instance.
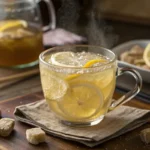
{"points": [[78, 82], [21, 32]]}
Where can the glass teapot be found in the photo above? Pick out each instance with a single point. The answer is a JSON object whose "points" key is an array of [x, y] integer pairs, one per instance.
{"points": [[21, 31]]}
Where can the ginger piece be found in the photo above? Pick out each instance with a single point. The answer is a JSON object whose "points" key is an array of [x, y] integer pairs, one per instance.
{"points": [[145, 135], [35, 135], [6, 126], [136, 51], [139, 61], [125, 57]]}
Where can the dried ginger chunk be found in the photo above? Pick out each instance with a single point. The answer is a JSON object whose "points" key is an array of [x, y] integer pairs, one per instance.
{"points": [[145, 135], [6, 126], [35, 135], [125, 57], [136, 50]]}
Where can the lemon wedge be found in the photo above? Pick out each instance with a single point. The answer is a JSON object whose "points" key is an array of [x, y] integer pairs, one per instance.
{"points": [[82, 101], [146, 55], [87, 65], [12, 23]]}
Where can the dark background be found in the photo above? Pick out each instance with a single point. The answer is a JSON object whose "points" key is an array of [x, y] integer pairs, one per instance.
{"points": [[84, 17]]}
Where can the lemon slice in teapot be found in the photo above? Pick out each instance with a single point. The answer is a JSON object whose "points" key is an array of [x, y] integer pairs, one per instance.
{"points": [[8, 24]]}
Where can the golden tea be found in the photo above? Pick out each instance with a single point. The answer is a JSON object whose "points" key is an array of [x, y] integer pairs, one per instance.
{"points": [[20, 42], [73, 92], [78, 82]]}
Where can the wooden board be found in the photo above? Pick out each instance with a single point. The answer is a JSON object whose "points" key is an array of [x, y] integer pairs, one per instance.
{"points": [[17, 140]]}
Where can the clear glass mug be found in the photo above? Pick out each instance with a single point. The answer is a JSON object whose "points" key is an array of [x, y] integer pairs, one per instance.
{"points": [[82, 95], [21, 32]]}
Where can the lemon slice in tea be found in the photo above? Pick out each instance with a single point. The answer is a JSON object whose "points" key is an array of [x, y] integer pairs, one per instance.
{"points": [[72, 59], [146, 55], [82, 100], [64, 59], [87, 65], [54, 87], [4, 25]]}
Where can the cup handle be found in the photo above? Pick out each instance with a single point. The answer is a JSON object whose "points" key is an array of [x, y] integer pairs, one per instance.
{"points": [[128, 96], [51, 10]]}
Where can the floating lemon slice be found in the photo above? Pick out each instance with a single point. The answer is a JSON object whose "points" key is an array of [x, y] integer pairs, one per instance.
{"points": [[54, 87], [12, 23], [87, 65], [70, 59], [81, 101], [146, 55], [64, 59]]}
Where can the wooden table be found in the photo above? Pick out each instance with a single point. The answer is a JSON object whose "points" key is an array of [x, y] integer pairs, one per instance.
{"points": [[17, 140]]}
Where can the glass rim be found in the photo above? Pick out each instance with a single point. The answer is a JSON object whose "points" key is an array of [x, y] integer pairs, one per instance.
{"points": [[76, 68]]}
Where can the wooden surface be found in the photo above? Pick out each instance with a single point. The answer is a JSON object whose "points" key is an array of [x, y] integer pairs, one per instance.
{"points": [[17, 140], [22, 87]]}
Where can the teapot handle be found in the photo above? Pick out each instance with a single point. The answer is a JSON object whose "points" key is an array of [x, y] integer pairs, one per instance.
{"points": [[51, 10]]}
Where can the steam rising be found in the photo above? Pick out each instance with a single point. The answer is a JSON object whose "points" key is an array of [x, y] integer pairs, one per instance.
{"points": [[68, 14], [96, 30], [99, 32], [94, 33]]}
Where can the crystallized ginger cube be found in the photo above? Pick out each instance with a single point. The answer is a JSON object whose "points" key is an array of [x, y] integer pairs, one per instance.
{"points": [[35, 135], [6, 126]]}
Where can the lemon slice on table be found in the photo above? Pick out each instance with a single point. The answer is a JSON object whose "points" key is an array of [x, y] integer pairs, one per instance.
{"points": [[12, 23], [82, 100], [146, 55]]}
